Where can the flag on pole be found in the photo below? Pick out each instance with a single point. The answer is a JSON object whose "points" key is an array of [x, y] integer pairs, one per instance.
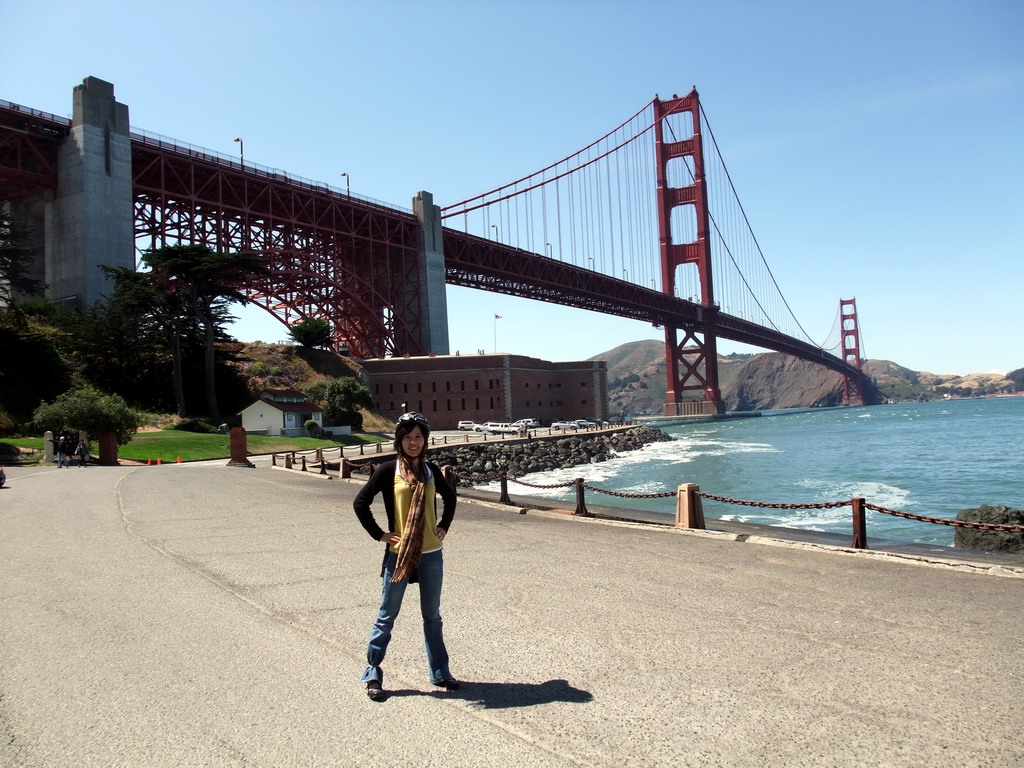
{"points": [[497, 317]]}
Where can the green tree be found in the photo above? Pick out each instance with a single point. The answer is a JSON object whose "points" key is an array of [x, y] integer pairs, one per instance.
{"points": [[90, 411], [341, 398], [16, 257], [31, 370], [312, 332], [1017, 377], [203, 283], [122, 345]]}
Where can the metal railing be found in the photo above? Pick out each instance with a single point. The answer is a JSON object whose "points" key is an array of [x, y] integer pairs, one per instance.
{"points": [[689, 510]]}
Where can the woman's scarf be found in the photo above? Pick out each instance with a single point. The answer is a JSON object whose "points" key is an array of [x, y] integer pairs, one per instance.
{"points": [[411, 545]]}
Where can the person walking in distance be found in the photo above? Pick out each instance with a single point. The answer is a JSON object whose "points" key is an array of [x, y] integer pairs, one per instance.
{"points": [[82, 452], [408, 487], [61, 448]]}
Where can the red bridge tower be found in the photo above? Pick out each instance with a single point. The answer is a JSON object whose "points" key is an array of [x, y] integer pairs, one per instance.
{"points": [[692, 363], [850, 343]]}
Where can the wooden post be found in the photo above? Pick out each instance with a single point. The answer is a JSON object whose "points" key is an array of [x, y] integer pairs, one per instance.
{"points": [[860, 527], [581, 504], [689, 511], [504, 499]]}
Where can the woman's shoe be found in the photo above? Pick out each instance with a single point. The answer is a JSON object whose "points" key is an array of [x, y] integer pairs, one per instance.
{"points": [[449, 683], [374, 691]]}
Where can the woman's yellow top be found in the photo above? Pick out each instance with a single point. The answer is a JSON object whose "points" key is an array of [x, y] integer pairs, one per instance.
{"points": [[403, 499]]}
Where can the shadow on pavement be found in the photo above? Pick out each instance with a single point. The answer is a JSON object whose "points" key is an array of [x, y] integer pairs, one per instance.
{"points": [[507, 695]]}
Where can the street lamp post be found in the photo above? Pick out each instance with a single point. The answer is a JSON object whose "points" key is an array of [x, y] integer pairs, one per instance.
{"points": [[549, 250], [495, 228], [348, 187], [241, 150]]}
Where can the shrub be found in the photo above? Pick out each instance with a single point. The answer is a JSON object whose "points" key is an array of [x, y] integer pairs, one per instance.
{"points": [[196, 425], [352, 419]]}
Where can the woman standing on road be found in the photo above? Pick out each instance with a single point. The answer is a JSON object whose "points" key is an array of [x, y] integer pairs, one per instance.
{"points": [[408, 487]]}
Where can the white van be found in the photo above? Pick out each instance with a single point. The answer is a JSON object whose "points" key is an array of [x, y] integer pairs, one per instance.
{"points": [[500, 427]]}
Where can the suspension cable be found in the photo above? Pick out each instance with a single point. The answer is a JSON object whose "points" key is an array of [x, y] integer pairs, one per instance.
{"points": [[749, 228]]}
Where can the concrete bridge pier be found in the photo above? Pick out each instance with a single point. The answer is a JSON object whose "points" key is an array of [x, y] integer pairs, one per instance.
{"points": [[433, 296], [88, 222]]}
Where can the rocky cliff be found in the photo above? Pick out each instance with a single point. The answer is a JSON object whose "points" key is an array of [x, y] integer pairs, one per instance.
{"points": [[636, 382]]}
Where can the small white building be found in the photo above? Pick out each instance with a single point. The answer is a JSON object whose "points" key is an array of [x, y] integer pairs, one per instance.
{"points": [[281, 412]]}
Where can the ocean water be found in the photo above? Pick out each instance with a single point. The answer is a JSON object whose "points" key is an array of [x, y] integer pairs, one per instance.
{"points": [[932, 459]]}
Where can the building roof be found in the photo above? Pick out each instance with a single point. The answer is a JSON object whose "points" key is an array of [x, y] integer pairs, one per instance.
{"points": [[286, 407], [273, 394], [303, 406]]}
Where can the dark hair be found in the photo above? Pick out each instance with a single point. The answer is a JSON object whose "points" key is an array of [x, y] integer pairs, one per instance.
{"points": [[405, 426]]}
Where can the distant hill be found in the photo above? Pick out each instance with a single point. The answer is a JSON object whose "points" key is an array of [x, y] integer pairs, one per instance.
{"points": [[637, 381]]}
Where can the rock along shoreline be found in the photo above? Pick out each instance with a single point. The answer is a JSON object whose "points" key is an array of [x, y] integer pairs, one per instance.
{"points": [[542, 454]]}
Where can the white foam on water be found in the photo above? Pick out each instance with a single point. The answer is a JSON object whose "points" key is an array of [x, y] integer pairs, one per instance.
{"points": [[881, 494], [615, 474]]}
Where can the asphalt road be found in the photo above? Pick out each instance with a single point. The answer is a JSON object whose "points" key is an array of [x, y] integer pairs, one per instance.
{"points": [[190, 615]]}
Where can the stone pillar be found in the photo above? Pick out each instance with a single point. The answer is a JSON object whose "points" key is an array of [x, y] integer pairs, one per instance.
{"points": [[689, 510], [108, 448], [89, 221], [48, 455], [433, 296], [239, 449]]}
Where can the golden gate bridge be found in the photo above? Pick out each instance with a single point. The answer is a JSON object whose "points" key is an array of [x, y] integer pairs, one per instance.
{"points": [[642, 223]]}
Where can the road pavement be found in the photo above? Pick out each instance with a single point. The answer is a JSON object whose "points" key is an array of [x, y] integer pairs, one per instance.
{"points": [[205, 615]]}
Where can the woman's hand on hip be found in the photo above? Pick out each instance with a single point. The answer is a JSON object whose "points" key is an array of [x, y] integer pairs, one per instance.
{"points": [[441, 533], [390, 538]]}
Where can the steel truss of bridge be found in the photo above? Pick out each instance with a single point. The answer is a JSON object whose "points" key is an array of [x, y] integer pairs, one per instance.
{"points": [[359, 264]]}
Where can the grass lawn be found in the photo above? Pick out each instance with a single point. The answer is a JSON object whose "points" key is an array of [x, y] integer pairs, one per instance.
{"points": [[168, 445]]}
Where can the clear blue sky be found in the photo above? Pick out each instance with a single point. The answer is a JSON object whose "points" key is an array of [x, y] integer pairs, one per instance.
{"points": [[877, 147]]}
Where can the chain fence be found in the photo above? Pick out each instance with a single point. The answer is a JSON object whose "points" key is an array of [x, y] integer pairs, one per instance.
{"points": [[859, 505]]}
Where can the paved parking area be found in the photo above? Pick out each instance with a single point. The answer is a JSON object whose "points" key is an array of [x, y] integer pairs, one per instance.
{"points": [[191, 615]]}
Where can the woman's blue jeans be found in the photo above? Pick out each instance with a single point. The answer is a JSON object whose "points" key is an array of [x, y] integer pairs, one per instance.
{"points": [[431, 573]]}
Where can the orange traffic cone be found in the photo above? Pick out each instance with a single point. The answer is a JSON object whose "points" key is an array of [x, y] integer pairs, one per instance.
{"points": [[159, 461], [148, 462], [179, 459]]}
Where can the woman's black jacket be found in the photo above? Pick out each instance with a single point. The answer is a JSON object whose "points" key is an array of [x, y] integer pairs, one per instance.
{"points": [[382, 481]]}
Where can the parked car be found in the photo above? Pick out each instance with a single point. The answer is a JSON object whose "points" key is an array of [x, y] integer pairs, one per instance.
{"points": [[499, 427], [564, 425], [526, 423], [582, 424], [469, 426]]}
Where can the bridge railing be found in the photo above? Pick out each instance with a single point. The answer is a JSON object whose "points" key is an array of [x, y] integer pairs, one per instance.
{"points": [[159, 141], [10, 106], [689, 513]]}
